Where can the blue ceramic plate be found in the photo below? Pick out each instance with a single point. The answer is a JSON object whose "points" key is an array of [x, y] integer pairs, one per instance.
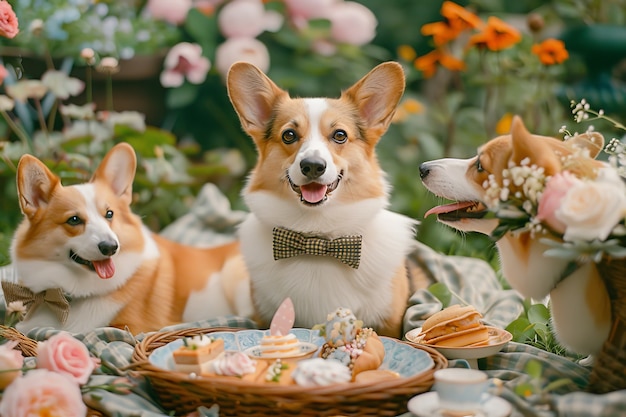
{"points": [[402, 358]]}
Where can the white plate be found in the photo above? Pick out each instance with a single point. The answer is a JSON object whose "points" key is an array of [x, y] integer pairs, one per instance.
{"points": [[427, 405], [306, 348], [401, 358], [497, 339]]}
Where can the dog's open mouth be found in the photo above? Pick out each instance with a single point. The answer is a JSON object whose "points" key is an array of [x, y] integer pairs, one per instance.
{"points": [[105, 268], [314, 193], [459, 210]]}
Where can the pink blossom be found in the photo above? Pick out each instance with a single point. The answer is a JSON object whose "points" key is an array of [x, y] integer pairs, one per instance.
{"points": [[172, 11], [10, 358], [43, 393], [8, 21], [241, 49], [352, 23], [551, 198], [67, 355], [3, 73], [301, 11], [184, 60], [247, 19]]}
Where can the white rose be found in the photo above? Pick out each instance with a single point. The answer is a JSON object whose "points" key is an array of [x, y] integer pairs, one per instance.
{"points": [[591, 209]]}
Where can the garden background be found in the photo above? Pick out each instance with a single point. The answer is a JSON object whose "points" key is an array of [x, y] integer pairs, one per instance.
{"points": [[469, 69]]}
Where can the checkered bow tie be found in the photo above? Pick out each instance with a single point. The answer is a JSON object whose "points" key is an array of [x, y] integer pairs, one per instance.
{"points": [[287, 243], [53, 298]]}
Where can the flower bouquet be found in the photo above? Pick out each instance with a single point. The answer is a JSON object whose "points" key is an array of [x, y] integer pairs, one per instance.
{"points": [[579, 215]]}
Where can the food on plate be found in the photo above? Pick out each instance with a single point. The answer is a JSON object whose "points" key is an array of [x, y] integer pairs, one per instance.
{"points": [[347, 341], [319, 371], [455, 326], [196, 353], [279, 346]]}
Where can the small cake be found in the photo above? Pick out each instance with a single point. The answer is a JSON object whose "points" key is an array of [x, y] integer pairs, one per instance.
{"points": [[196, 353], [279, 346], [454, 326], [350, 343], [318, 372], [233, 363]]}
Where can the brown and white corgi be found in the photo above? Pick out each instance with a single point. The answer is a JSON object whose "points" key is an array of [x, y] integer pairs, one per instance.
{"points": [[85, 240], [580, 305], [318, 175]]}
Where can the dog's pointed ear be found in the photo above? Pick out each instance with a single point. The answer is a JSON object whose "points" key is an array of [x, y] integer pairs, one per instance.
{"points": [[592, 142], [117, 169], [35, 184], [535, 148], [377, 95], [253, 96]]}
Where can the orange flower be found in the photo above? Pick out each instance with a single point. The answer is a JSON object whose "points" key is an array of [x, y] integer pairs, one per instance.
{"points": [[496, 35], [406, 52], [504, 124], [550, 51], [459, 17], [441, 32], [428, 63]]}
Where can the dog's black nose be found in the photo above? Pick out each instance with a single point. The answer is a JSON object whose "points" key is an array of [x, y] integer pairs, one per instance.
{"points": [[107, 248], [312, 167], [424, 171]]}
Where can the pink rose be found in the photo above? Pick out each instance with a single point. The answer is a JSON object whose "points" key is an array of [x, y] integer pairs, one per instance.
{"points": [[184, 60], [67, 355], [241, 49], [551, 199], [172, 11], [43, 393], [352, 23], [10, 359], [8, 21]]}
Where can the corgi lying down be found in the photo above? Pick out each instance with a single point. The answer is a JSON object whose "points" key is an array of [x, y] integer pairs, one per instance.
{"points": [[318, 193], [81, 247], [580, 304]]}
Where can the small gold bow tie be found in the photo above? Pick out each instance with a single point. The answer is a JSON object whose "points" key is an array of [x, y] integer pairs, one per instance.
{"points": [[287, 243], [53, 298]]}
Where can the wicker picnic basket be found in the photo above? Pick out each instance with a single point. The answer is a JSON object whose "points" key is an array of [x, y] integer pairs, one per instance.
{"points": [[609, 369], [182, 394]]}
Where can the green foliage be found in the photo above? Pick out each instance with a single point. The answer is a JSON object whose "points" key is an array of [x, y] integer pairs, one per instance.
{"points": [[537, 384]]}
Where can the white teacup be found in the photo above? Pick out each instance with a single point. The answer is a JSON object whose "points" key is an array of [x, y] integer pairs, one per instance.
{"points": [[461, 391]]}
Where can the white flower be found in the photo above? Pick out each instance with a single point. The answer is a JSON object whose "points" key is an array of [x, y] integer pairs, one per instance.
{"points": [[25, 89], [6, 104], [61, 85], [591, 209]]}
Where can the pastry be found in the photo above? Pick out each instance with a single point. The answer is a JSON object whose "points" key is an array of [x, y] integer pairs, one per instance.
{"points": [[351, 344], [319, 371], [196, 353], [454, 326]]}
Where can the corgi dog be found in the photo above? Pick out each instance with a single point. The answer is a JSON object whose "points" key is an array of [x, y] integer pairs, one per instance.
{"points": [[579, 302], [317, 175], [85, 240]]}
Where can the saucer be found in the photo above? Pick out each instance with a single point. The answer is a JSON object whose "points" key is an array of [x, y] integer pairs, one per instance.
{"points": [[427, 405]]}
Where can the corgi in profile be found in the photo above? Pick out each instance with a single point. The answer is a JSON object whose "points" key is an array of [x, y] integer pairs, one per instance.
{"points": [[81, 247], [319, 230], [579, 302]]}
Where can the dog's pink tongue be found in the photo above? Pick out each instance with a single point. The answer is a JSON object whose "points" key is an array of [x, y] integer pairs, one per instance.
{"points": [[447, 208], [313, 192], [105, 268]]}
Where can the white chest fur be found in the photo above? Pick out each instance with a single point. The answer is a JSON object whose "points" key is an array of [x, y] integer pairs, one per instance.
{"points": [[318, 285]]}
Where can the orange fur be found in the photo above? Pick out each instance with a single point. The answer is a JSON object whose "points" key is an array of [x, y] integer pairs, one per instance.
{"points": [[154, 277]]}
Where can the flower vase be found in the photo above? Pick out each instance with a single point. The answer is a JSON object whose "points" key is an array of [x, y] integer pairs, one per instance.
{"points": [[602, 47], [609, 369]]}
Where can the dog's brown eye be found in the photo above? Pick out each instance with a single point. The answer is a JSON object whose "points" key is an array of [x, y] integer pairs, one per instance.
{"points": [[108, 215], [290, 136], [340, 136], [74, 221], [479, 166]]}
